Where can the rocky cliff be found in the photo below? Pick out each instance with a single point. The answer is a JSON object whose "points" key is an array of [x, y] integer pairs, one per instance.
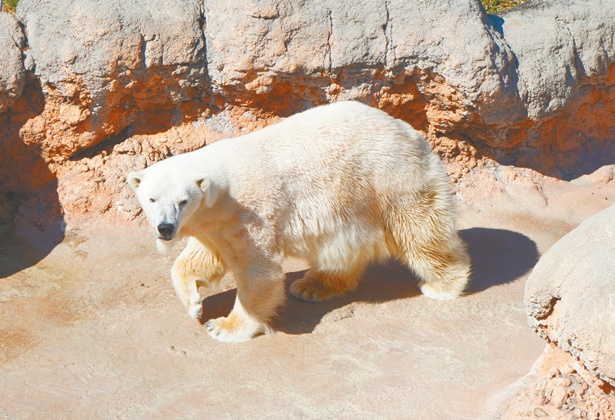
{"points": [[91, 89]]}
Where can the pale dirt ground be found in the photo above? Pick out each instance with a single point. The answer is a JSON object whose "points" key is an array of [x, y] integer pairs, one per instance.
{"points": [[90, 327]]}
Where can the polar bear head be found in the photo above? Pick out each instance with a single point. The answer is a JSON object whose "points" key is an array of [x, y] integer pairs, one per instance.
{"points": [[170, 197]]}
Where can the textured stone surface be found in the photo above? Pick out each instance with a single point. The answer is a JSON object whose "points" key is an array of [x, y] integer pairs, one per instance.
{"points": [[570, 297], [121, 71], [559, 387], [105, 66], [566, 81], [360, 51], [12, 72], [558, 45]]}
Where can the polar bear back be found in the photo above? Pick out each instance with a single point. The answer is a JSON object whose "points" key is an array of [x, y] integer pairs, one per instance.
{"points": [[332, 145], [328, 176]]}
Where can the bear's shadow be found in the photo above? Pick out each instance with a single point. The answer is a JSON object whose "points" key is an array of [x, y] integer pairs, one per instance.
{"points": [[498, 257]]}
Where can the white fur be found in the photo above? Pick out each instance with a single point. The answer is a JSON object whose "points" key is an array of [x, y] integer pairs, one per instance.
{"points": [[250, 328], [341, 185], [165, 247]]}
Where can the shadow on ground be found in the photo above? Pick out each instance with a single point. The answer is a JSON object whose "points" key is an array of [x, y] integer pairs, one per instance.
{"points": [[498, 257], [28, 189], [25, 247]]}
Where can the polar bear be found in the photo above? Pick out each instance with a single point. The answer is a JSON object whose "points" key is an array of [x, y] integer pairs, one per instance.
{"points": [[341, 186]]}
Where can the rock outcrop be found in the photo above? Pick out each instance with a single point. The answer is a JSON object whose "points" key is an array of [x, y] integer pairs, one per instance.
{"points": [[125, 84], [22, 171], [566, 82], [560, 387], [393, 54], [112, 65], [570, 300], [570, 297], [12, 72]]}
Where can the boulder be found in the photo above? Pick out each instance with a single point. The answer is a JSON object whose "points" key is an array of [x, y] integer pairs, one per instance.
{"points": [[559, 46], [379, 52], [570, 295], [565, 75], [12, 72], [105, 66]]}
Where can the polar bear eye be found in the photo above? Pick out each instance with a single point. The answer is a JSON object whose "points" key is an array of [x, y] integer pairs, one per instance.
{"points": [[152, 200], [183, 203]]}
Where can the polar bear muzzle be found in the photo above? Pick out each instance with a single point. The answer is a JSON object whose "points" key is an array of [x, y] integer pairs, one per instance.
{"points": [[166, 231]]}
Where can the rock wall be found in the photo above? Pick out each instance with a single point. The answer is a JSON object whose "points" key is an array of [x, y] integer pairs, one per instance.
{"points": [[112, 65], [94, 89], [566, 81]]}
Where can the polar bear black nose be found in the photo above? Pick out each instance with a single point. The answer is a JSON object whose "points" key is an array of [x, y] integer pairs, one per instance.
{"points": [[166, 229]]}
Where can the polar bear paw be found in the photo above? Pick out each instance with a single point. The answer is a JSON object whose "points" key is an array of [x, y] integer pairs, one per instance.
{"points": [[234, 328], [310, 290], [195, 306], [436, 293], [195, 311]]}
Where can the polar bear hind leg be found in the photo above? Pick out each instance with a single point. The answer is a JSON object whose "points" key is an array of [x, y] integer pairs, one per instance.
{"points": [[443, 270], [426, 241], [318, 284]]}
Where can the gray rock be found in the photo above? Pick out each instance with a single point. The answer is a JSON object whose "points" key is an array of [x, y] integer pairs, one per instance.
{"points": [[559, 45], [466, 68], [103, 39], [527, 63], [253, 45], [570, 295], [12, 72], [455, 40], [477, 85], [105, 62]]}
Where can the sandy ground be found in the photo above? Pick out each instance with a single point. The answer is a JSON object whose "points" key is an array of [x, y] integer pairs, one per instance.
{"points": [[90, 327]]}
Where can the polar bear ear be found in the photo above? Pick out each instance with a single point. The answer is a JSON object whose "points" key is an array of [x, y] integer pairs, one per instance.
{"points": [[134, 179], [210, 191]]}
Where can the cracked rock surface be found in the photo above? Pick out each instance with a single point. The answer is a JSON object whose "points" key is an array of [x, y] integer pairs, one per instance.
{"points": [[110, 65]]}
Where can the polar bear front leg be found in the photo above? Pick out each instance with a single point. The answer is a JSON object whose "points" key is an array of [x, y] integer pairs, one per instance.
{"points": [[257, 300], [196, 264], [237, 327]]}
